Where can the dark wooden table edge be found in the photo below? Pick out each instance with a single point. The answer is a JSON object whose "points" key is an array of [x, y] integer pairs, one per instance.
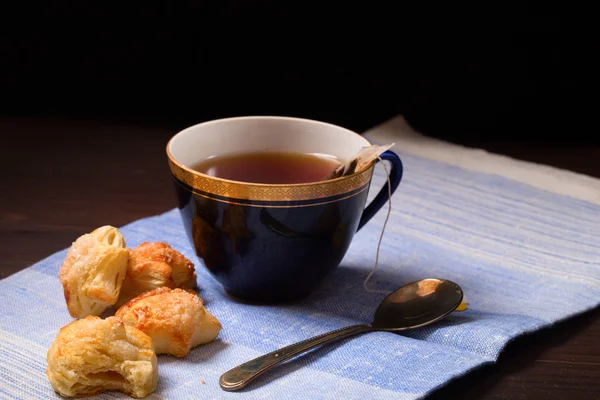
{"points": [[535, 341]]}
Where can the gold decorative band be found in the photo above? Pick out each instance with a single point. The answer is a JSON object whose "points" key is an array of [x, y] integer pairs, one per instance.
{"points": [[264, 192]]}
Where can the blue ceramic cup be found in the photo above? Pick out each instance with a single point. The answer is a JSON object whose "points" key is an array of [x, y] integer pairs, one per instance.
{"points": [[272, 242]]}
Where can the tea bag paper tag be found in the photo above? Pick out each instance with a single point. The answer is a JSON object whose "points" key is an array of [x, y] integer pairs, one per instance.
{"points": [[369, 154], [360, 161]]}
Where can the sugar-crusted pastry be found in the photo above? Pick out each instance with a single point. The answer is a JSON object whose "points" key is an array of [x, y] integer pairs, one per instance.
{"points": [[93, 355], [175, 319], [93, 271], [154, 265]]}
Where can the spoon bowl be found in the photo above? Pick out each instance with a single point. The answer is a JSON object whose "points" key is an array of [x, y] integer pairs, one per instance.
{"points": [[417, 304], [414, 305]]}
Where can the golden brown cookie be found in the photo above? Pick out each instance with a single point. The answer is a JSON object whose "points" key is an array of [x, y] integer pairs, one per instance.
{"points": [[93, 355], [154, 265], [175, 319], [93, 271]]}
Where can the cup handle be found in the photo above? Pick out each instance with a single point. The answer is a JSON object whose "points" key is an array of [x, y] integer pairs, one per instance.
{"points": [[382, 196]]}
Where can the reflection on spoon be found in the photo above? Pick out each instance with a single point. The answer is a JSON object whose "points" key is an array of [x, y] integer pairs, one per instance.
{"points": [[411, 306]]}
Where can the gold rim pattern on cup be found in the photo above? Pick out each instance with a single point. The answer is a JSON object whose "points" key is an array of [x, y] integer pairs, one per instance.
{"points": [[266, 192]]}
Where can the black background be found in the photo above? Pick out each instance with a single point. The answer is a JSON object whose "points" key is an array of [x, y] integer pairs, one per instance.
{"points": [[465, 71]]}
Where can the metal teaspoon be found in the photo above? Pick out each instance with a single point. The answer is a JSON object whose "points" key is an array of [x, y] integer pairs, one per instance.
{"points": [[414, 305]]}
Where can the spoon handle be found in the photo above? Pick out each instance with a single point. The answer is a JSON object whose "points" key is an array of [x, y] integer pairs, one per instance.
{"points": [[240, 376]]}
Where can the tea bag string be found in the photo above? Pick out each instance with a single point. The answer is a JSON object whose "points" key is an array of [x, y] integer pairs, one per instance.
{"points": [[387, 217]]}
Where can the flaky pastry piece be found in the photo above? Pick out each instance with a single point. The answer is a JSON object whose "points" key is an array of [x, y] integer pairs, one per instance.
{"points": [[175, 319], [93, 355], [154, 265], [93, 271]]}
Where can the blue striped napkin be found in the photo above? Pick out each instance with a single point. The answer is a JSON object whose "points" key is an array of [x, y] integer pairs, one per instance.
{"points": [[525, 254]]}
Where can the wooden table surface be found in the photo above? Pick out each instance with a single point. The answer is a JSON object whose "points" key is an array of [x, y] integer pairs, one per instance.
{"points": [[61, 178]]}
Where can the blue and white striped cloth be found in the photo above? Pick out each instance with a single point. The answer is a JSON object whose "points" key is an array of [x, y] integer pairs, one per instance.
{"points": [[526, 257]]}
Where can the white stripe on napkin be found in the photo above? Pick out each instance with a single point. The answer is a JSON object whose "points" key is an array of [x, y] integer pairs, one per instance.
{"points": [[544, 177]]}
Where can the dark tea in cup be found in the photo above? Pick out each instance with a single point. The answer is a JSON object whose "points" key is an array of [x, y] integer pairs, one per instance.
{"points": [[272, 167]]}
